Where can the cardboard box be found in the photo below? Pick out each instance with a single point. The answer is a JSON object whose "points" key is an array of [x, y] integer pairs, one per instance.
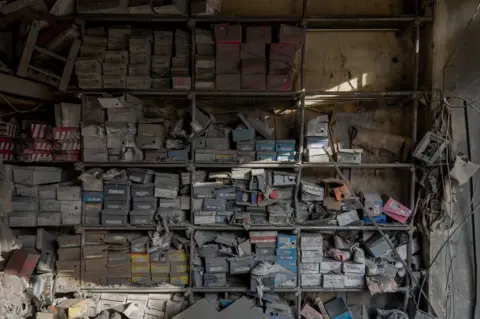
{"points": [[259, 34], [37, 175], [21, 263], [69, 193], [279, 82], [225, 33], [254, 66], [254, 82]]}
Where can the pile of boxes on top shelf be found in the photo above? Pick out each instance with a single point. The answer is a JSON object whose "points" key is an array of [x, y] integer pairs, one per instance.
{"points": [[244, 196], [214, 146], [128, 135], [243, 66], [111, 258], [132, 197], [121, 58], [332, 203], [176, 7], [317, 144], [221, 255], [40, 200]]}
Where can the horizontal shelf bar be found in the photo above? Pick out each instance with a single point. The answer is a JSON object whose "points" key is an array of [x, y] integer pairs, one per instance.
{"points": [[247, 165], [145, 290], [362, 165], [327, 95], [134, 164], [363, 22], [247, 93], [127, 228], [150, 92], [105, 17], [249, 227], [258, 19], [384, 227], [238, 289]]}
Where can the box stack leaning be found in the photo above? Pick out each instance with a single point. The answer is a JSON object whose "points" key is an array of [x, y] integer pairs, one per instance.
{"points": [[205, 63]]}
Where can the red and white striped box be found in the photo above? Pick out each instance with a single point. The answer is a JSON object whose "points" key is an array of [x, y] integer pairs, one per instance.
{"points": [[7, 155], [66, 133], [39, 130], [36, 156], [7, 144], [67, 145], [42, 145], [67, 156], [8, 129]]}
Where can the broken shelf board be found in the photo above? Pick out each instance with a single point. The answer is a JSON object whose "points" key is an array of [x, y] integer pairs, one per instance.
{"points": [[350, 95], [151, 92], [135, 290], [25, 88], [136, 164], [363, 22], [143, 18], [247, 165], [362, 165], [125, 228]]}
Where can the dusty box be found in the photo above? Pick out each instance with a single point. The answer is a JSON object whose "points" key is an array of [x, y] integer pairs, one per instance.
{"points": [[70, 208], [256, 82], [241, 265], [159, 268], [179, 279], [37, 175], [141, 217], [354, 281], [330, 265], [93, 185], [66, 241], [214, 279], [145, 203], [24, 204], [283, 51], [116, 188], [114, 82], [312, 256], [285, 279], [110, 217], [333, 281], [204, 218], [216, 265], [280, 67], [149, 143], [179, 267], [95, 155], [145, 190], [23, 219], [95, 252], [182, 82], [311, 242], [254, 66], [115, 69], [227, 65], [279, 82], [228, 33], [291, 34], [69, 254], [353, 268], [49, 219], [26, 191], [92, 209], [65, 193], [311, 280], [310, 268]]}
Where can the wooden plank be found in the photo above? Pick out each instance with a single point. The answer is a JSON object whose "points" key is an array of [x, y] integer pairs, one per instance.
{"points": [[28, 49], [67, 71], [22, 87]]}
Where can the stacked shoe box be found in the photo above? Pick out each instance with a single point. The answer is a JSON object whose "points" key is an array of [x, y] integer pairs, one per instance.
{"points": [[275, 150], [68, 271], [118, 259], [115, 65], [140, 46], [253, 56], [286, 275], [140, 261], [216, 269], [68, 260], [151, 139], [228, 39], [118, 40], [311, 196], [205, 7], [38, 147], [25, 206], [94, 143], [117, 202], [179, 267], [120, 135], [282, 57], [316, 139], [70, 201], [266, 276], [167, 187], [162, 59], [177, 7], [245, 140], [92, 201], [95, 259], [181, 61], [144, 202], [204, 60], [159, 267], [88, 67], [49, 214], [67, 132], [8, 133], [311, 249]]}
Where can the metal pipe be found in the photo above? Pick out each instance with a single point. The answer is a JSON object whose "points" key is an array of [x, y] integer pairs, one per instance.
{"points": [[409, 264], [139, 290], [363, 165], [136, 164]]}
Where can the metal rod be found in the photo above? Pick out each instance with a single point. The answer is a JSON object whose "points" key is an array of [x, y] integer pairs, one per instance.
{"points": [[362, 166], [140, 290], [135, 164], [128, 228], [408, 281], [144, 18]]}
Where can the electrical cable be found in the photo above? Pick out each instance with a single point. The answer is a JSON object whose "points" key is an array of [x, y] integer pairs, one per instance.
{"points": [[375, 224]]}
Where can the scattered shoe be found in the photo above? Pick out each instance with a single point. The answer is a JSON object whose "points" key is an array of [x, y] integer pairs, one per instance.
{"points": [[359, 256], [264, 268], [340, 255]]}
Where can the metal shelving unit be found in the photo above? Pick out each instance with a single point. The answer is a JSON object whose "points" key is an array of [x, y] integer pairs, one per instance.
{"points": [[400, 24]]}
